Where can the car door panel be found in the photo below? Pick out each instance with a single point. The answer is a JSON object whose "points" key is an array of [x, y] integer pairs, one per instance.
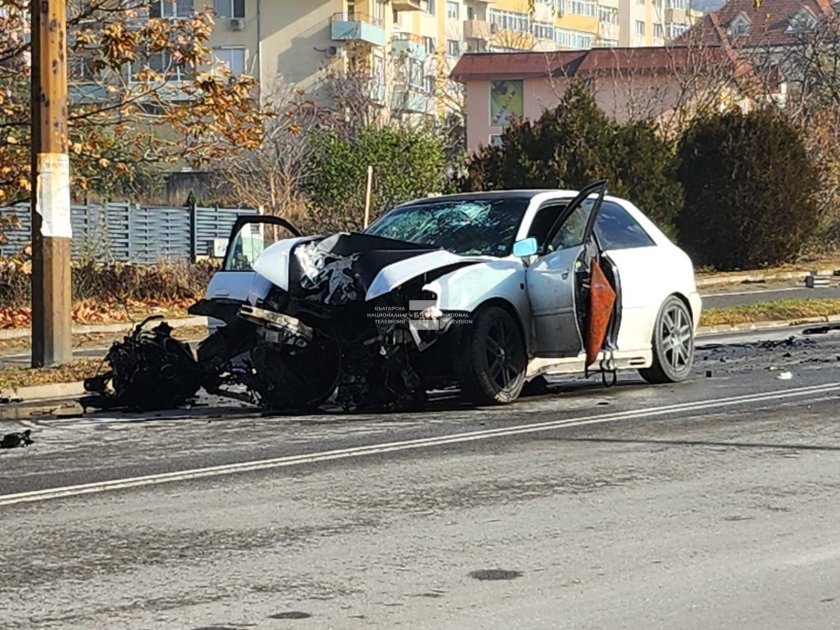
{"points": [[557, 282], [551, 290], [248, 237]]}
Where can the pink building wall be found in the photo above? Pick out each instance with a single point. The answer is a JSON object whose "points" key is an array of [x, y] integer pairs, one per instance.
{"points": [[622, 98]]}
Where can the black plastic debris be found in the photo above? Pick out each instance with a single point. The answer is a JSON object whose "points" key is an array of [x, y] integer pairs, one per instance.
{"points": [[15, 440]]}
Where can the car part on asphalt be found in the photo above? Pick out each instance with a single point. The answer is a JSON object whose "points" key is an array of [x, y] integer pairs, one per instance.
{"points": [[15, 440], [149, 369]]}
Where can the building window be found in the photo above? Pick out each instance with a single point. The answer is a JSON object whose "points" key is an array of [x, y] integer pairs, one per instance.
{"points": [[658, 31], [452, 10], [453, 47], [573, 39], [231, 58], [640, 2], [510, 20], [542, 30], [162, 64], [428, 6], [496, 140], [429, 83], [640, 28], [429, 45], [675, 30], [608, 15], [170, 8], [677, 4], [229, 8], [589, 8]]}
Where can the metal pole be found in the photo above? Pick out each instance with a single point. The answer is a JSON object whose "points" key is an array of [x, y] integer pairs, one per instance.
{"points": [[367, 194], [51, 232]]}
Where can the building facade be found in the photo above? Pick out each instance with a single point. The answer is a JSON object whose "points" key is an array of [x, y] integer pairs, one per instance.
{"points": [[414, 44]]}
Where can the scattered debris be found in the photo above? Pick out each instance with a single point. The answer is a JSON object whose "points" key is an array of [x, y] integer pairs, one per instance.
{"points": [[821, 330], [149, 370], [8, 400], [784, 376], [15, 440], [495, 574]]}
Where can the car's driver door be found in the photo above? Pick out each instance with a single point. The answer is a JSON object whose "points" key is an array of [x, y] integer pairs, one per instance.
{"points": [[553, 279]]}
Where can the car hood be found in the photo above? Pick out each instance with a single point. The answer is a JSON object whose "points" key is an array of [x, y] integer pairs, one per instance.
{"points": [[350, 267]]}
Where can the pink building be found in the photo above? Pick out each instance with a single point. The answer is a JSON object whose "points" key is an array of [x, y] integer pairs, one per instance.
{"points": [[628, 83]]}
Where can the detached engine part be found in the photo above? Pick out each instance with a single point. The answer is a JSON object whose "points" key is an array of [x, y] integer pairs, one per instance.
{"points": [[149, 370]]}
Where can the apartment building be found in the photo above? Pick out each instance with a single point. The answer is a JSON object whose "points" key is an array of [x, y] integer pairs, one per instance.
{"points": [[414, 44]]}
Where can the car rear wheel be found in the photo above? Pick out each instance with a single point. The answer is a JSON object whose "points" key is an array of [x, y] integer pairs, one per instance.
{"points": [[673, 344], [491, 362]]}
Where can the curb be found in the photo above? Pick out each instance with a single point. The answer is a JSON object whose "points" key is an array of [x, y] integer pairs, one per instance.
{"points": [[771, 325], [53, 391], [18, 333], [758, 277]]}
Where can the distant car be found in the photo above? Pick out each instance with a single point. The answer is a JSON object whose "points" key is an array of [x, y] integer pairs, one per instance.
{"points": [[484, 291]]}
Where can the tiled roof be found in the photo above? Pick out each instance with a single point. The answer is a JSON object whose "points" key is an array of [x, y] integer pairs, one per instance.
{"points": [[581, 63], [768, 23]]}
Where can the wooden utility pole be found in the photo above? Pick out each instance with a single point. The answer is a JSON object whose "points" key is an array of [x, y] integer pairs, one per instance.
{"points": [[51, 232]]}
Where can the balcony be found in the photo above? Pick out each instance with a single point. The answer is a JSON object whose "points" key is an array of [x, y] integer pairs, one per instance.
{"points": [[608, 31], [406, 5], [409, 45], [477, 29], [357, 27], [411, 100]]}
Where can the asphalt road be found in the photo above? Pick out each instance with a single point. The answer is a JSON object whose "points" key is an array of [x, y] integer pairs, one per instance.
{"points": [[708, 504]]}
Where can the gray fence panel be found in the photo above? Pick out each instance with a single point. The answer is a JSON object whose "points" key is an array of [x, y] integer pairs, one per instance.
{"points": [[139, 234], [213, 223]]}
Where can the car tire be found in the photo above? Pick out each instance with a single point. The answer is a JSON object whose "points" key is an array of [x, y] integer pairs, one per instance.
{"points": [[672, 344], [491, 361]]}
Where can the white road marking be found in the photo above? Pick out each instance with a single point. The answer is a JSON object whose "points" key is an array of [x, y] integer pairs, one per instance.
{"points": [[405, 445]]}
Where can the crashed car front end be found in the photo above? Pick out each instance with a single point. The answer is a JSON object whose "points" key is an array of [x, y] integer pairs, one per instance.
{"points": [[349, 314]]}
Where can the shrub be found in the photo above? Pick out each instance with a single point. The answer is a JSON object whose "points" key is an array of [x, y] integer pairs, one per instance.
{"points": [[575, 144], [406, 164], [749, 188]]}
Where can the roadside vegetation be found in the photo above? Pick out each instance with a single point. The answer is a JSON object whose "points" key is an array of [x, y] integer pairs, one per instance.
{"points": [[770, 311]]}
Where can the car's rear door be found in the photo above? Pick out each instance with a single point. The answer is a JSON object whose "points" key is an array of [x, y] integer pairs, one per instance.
{"points": [[553, 280]]}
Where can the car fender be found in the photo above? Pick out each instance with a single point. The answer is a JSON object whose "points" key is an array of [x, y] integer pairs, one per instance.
{"points": [[465, 290]]}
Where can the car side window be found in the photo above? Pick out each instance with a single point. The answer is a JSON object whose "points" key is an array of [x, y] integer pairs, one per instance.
{"points": [[616, 229], [543, 221], [572, 231]]}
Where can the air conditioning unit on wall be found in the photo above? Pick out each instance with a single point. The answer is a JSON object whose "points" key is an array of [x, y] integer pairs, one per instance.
{"points": [[237, 24], [334, 51]]}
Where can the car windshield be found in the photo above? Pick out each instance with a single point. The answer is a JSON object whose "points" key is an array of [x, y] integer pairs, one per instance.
{"points": [[465, 226]]}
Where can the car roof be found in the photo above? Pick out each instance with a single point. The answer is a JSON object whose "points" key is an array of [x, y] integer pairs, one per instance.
{"points": [[490, 195]]}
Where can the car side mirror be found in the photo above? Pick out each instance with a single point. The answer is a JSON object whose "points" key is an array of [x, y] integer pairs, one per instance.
{"points": [[525, 248]]}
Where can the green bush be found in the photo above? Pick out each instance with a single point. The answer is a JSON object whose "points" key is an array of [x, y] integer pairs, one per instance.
{"points": [[575, 144], [749, 188], [406, 164]]}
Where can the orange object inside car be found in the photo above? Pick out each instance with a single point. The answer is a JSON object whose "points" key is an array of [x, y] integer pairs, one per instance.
{"points": [[601, 302]]}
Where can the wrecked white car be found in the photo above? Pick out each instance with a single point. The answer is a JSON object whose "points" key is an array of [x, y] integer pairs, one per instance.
{"points": [[480, 290], [483, 291]]}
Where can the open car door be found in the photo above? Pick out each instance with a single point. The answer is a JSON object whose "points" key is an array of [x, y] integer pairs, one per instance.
{"points": [[249, 236], [559, 282]]}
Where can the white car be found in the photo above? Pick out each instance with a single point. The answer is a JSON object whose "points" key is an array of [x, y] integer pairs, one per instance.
{"points": [[483, 291]]}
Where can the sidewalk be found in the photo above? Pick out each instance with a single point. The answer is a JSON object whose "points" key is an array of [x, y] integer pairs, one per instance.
{"points": [[22, 333]]}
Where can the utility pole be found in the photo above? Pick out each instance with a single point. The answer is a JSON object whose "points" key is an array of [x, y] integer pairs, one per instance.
{"points": [[51, 232]]}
